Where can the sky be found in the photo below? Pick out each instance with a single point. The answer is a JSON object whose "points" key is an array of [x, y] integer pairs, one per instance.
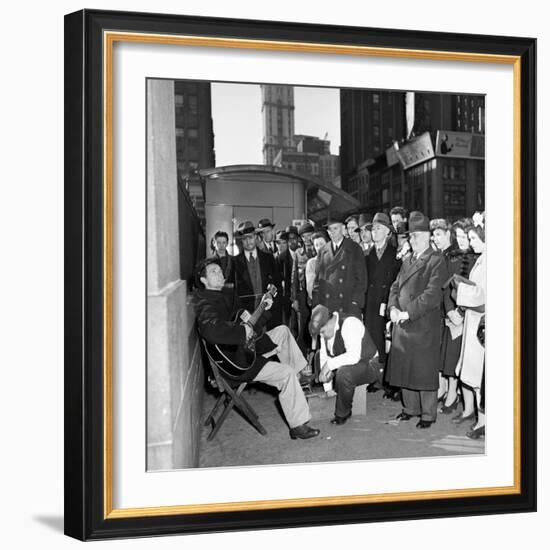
{"points": [[237, 117]]}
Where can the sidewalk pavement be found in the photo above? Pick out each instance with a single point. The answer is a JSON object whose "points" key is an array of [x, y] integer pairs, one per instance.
{"points": [[375, 435]]}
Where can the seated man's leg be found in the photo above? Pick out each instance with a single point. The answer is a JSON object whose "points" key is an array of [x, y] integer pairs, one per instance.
{"points": [[293, 402], [345, 381], [287, 349]]}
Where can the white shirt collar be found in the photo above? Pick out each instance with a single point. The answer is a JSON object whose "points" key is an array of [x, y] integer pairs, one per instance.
{"points": [[336, 245]]}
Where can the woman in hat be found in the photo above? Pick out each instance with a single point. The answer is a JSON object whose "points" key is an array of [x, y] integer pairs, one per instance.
{"points": [[454, 244], [471, 296]]}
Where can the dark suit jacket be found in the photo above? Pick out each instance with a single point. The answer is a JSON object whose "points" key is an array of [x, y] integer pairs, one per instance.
{"points": [[381, 274], [414, 357], [215, 311], [284, 264], [341, 278], [269, 274]]}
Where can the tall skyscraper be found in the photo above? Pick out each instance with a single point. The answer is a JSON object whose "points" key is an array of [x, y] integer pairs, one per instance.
{"points": [[278, 120], [370, 121], [194, 137]]}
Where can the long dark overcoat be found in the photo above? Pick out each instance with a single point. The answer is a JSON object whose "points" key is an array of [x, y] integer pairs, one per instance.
{"points": [[270, 275], [381, 274], [341, 279], [414, 357], [284, 263]]}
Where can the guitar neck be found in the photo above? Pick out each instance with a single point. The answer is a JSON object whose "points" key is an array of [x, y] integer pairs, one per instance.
{"points": [[254, 318]]}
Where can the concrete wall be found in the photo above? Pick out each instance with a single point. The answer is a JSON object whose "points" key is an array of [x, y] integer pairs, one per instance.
{"points": [[174, 373]]}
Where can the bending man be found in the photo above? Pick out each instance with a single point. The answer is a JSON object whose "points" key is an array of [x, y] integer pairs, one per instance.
{"points": [[346, 351]]}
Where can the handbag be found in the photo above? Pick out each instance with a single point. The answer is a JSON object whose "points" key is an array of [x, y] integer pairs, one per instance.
{"points": [[481, 331]]}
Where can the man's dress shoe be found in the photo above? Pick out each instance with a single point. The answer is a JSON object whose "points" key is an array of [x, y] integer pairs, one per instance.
{"points": [[423, 424], [459, 419], [303, 432], [477, 433], [339, 420], [402, 417]]}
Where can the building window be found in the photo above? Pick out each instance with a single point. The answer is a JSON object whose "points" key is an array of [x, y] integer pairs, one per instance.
{"points": [[376, 131], [376, 98], [179, 99], [180, 132], [193, 104], [193, 132]]}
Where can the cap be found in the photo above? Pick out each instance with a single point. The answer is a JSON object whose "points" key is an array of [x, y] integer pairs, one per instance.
{"points": [[319, 318]]}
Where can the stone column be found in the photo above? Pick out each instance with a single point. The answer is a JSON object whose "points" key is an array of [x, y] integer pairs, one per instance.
{"points": [[174, 376]]}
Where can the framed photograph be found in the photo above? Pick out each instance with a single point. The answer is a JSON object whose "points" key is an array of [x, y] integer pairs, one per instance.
{"points": [[283, 242]]}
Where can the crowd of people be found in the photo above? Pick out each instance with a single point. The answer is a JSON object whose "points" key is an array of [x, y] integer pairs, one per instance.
{"points": [[395, 301]]}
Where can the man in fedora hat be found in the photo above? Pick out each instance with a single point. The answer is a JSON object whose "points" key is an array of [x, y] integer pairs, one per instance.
{"points": [[402, 240], [341, 277], [345, 354], [283, 259], [365, 226], [414, 306], [299, 286], [305, 231], [352, 226], [266, 232], [254, 271], [382, 269]]}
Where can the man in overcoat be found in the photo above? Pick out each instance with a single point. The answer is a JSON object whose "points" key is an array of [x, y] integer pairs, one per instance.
{"points": [[341, 276], [284, 262], [254, 271], [382, 269], [266, 232], [298, 286], [414, 305]]}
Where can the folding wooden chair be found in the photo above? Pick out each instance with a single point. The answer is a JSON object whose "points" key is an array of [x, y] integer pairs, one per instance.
{"points": [[230, 396]]}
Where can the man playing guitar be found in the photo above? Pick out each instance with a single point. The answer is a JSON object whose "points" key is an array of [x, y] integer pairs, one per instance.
{"points": [[215, 309]]}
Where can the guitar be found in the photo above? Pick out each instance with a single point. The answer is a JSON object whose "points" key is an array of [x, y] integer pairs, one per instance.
{"points": [[234, 360]]}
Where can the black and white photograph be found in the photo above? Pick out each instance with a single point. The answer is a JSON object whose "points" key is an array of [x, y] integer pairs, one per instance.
{"points": [[316, 274]]}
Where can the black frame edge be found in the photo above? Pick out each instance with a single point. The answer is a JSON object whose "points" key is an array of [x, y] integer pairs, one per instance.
{"points": [[74, 493], [528, 411]]}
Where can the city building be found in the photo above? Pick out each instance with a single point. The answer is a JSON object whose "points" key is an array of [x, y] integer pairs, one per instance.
{"points": [[312, 144], [285, 149], [370, 121], [277, 120], [434, 162], [194, 137]]}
